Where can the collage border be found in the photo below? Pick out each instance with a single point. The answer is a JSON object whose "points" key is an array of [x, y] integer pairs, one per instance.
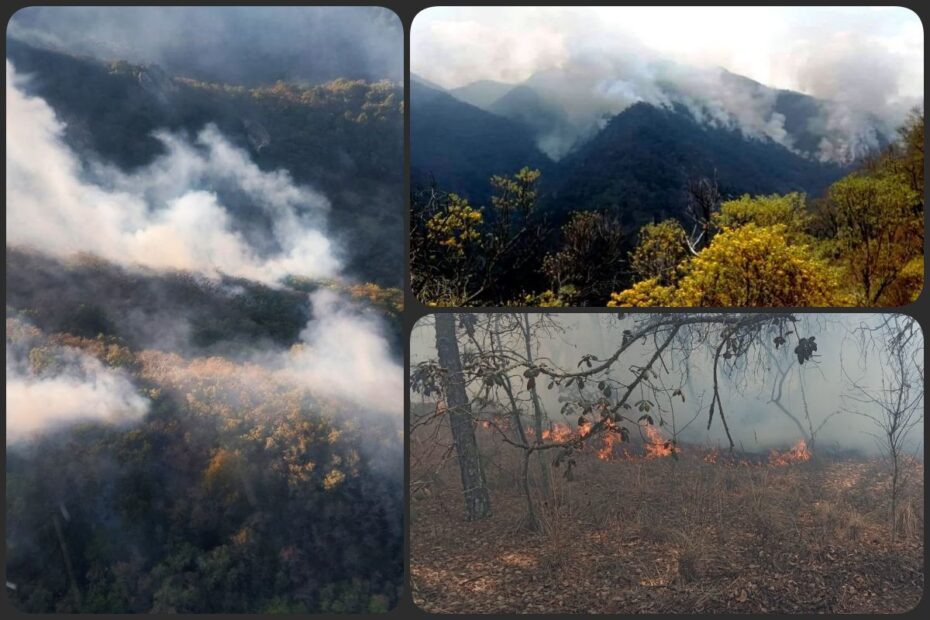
{"points": [[414, 310]]}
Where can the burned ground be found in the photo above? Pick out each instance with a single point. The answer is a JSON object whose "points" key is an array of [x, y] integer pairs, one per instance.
{"points": [[666, 535]]}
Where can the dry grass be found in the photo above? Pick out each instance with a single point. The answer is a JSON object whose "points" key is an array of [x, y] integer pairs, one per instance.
{"points": [[672, 536]]}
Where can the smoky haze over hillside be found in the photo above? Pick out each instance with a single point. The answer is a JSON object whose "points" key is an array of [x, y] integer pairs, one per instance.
{"points": [[865, 68], [241, 45], [755, 422], [204, 386], [168, 216], [183, 212]]}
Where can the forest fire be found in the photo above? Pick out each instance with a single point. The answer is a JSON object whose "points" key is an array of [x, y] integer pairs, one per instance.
{"points": [[590, 516], [558, 433], [797, 454], [657, 446], [610, 446], [563, 432], [612, 443]]}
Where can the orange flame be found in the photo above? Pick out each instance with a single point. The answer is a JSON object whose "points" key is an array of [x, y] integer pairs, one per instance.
{"points": [[563, 432], [558, 433], [797, 454], [609, 442], [657, 446]]}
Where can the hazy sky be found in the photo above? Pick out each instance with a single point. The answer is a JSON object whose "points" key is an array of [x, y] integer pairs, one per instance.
{"points": [[821, 51], [232, 44]]}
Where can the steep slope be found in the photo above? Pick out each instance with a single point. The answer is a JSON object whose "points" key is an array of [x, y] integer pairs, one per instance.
{"points": [[428, 83], [174, 310], [482, 94], [810, 124], [343, 138], [640, 163], [545, 119], [461, 146]]}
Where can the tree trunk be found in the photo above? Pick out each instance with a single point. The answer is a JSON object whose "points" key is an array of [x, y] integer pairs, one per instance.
{"points": [[894, 496], [477, 500], [537, 412], [508, 386]]}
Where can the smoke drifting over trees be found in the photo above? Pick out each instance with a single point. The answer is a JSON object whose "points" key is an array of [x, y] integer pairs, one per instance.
{"points": [[204, 397], [865, 68], [167, 215], [751, 389], [250, 45], [49, 389], [689, 462]]}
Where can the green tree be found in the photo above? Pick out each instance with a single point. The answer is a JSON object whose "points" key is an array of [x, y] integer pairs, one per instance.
{"points": [[462, 256], [591, 262], [877, 232]]}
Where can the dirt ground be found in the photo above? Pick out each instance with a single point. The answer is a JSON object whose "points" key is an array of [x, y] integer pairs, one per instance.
{"points": [[672, 536]]}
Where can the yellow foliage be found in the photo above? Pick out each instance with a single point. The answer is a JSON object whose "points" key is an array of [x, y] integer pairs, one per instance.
{"points": [[789, 210], [644, 294], [660, 249], [222, 468], [333, 479], [747, 266], [546, 299], [456, 226]]}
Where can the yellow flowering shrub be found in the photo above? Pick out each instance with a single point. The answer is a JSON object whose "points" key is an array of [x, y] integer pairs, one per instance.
{"points": [[455, 226], [747, 266]]}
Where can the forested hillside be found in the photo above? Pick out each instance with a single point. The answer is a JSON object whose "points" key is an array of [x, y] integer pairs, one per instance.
{"points": [[459, 146], [659, 210], [639, 166], [203, 502], [203, 319], [343, 137]]}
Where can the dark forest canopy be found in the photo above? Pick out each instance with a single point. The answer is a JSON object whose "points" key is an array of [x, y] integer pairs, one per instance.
{"points": [[204, 378], [176, 310], [656, 210], [235, 491], [343, 137]]}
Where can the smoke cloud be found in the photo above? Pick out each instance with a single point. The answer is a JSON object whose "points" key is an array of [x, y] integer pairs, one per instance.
{"points": [[865, 64], [202, 207], [79, 389], [755, 421], [344, 354], [167, 215], [241, 45]]}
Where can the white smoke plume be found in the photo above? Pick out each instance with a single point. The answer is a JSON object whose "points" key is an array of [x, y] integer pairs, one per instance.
{"points": [[165, 215], [169, 215], [344, 354], [865, 64], [81, 389], [246, 44]]}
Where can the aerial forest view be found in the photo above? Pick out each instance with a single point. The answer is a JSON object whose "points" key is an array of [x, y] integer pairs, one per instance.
{"points": [[204, 385], [667, 463], [635, 157]]}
